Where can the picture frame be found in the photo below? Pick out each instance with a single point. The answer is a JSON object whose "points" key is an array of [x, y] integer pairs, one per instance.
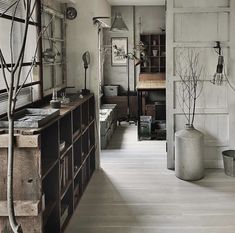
{"points": [[119, 50]]}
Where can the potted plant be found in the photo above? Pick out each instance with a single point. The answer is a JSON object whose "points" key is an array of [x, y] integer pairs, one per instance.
{"points": [[189, 161]]}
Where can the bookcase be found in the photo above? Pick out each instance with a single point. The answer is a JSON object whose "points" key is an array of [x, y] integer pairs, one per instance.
{"points": [[155, 50], [53, 166]]}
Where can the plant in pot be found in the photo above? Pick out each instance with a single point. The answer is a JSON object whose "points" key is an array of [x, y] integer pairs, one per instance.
{"points": [[189, 164]]}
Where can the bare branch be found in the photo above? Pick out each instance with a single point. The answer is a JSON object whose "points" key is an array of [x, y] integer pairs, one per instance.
{"points": [[11, 31], [4, 12], [3, 71], [25, 36], [189, 71], [4, 62], [34, 57]]}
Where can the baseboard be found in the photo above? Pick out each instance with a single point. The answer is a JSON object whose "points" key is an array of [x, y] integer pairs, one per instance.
{"points": [[214, 164]]}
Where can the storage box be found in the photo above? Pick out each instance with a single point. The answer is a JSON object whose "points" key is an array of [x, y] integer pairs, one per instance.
{"points": [[111, 90], [145, 127], [112, 107], [105, 120], [105, 140]]}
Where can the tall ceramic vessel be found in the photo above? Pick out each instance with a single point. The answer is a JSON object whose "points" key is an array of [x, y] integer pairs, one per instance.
{"points": [[189, 157]]}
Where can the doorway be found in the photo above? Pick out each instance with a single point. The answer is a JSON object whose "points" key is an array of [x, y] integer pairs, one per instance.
{"points": [[134, 87]]}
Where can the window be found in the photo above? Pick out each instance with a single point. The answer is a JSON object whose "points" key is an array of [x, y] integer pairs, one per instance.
{"points": [[53, 49], [31, 87]]}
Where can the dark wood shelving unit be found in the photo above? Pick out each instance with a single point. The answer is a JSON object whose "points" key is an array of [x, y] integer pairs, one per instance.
{"points": [[58, 174], [155, 49]]}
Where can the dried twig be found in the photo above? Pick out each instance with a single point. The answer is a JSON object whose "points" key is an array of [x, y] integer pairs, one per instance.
{"points": [[190, 72]]}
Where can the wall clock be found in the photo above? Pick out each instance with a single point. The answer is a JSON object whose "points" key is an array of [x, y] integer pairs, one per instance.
{"points": [[71, 13]]}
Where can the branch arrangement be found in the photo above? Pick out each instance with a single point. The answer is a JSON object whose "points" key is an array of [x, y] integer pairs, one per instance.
{"points": [[14, 87], [190, 73]]}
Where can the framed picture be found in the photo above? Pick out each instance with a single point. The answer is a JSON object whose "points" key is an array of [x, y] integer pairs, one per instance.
{"points": [[119, 50]]}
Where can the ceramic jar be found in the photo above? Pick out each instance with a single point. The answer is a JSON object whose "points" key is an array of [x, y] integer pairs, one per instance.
{"points": [[189, 159]]}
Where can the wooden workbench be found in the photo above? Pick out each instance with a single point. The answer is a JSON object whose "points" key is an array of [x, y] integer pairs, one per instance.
{"points": [[151, 85], [142, 87]]}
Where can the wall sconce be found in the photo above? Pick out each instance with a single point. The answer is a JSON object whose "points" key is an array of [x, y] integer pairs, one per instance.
{"points": [[218, 77]]}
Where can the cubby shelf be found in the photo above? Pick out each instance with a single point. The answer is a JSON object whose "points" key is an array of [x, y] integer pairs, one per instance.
{"points": [[47, 167], [58, 172], [47, 212], [155, 52], [66, 149], [64, 190]]}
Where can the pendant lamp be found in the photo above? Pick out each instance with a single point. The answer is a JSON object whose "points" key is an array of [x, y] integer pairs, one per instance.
{"points": [[118, 24]]}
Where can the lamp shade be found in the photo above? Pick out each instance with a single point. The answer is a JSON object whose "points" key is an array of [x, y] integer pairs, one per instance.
{"points": [[118, 24]]}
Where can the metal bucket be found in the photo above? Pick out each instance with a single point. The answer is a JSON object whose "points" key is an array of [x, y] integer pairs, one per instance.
{"points": [[229, 162]]}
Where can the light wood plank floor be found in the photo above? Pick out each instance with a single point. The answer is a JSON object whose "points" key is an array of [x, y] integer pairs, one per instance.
{"points": [[135, 193]]}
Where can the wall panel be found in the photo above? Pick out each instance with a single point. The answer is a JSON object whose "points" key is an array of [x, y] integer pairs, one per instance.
{"points": [[213, 98], [201, 27], [201, 3], [215, 128]]}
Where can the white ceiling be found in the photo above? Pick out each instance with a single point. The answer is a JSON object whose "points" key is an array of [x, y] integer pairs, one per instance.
{"points": [[136, 2]]}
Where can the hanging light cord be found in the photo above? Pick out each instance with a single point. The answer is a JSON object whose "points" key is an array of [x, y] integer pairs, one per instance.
{"points": [[220, 53]]}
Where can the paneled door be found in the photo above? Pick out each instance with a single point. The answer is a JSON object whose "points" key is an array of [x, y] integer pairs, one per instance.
{"points": [[197, 25]]}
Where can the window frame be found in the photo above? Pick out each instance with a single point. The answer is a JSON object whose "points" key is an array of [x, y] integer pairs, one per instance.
{"points": [[59, 16], [37, 24]]}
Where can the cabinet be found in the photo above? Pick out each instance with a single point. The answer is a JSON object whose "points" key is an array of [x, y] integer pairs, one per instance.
{"points": [[155, 110], [53, 166], [155, 51], [121, 102]]}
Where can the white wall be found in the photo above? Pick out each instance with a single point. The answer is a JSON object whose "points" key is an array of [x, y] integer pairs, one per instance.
{"points": [[82, 36], [197, 25], [118, 74]]}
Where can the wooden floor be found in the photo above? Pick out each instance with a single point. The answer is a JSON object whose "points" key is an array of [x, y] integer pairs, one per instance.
{"points": [[135, 193]]}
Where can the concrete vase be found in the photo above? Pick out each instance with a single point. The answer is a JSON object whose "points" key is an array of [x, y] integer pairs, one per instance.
{"points": [[189, 159]]}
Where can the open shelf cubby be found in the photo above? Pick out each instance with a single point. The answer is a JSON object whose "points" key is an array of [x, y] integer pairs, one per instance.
{"points": [[77, 121], [85, 117], [66, 208], [77, 187], [65, 126], [91, 135], [66, 175], [49, 148], [77, 155], [155, 52], [52, 176], [91, 109], [50, 196], [85, 144]]}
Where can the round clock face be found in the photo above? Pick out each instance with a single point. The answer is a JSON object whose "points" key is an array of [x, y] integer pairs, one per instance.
{"points": [[71, 13]]}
